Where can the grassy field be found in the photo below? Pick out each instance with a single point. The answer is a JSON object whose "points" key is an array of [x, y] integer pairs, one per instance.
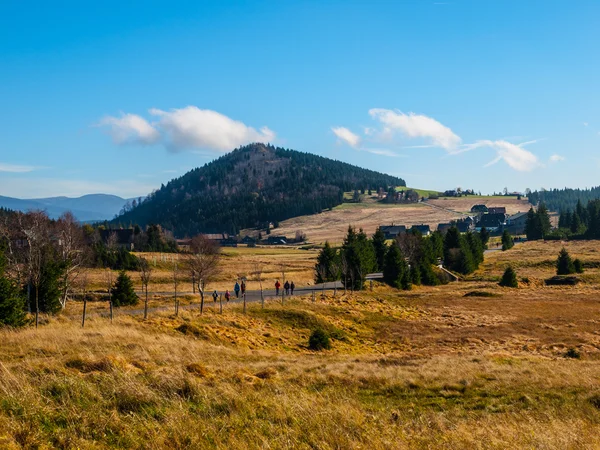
{"points": [[370, 214], [466, 365]]}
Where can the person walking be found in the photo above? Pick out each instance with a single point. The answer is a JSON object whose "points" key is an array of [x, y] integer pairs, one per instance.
{"points": [[277, 286], [243, 287], [286, 286], [227, 295], [292, 287], [236, 288], [215, 296]]}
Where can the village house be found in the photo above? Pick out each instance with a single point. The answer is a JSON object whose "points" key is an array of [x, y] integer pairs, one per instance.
{"points": [[497, 210], [492, 222], [392, 231], [516, 223], [425, 230], [479, 209]]}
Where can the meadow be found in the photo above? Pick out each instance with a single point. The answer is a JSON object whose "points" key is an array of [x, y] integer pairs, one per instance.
{"points": [[464, 365], [332, 225]]}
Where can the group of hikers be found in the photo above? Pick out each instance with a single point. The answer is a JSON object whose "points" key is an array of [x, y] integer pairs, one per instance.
{"points": [[240, 289]]}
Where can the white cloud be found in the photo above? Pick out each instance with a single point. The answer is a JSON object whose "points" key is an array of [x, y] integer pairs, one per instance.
{"points": [[556, 158], [383, 152], [347, 136], [130, 129], [11, 168], [195, 128], [416, 126], [514, 155], [585, 124], [188, 128]]}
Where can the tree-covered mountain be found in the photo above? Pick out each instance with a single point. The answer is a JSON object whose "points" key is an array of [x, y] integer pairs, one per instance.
{"points": [[563, 200], [249, 187]]}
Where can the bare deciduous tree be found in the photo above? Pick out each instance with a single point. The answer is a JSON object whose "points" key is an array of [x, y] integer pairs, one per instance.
{"points": [[72, 252], [35, 230], [203, 263], [145, 275]]}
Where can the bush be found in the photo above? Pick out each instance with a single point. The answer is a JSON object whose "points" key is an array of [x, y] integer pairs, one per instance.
{"points": [[123, 292], [507, 241], [509, 279], [319, 340], [578, 265], [572, 353]]}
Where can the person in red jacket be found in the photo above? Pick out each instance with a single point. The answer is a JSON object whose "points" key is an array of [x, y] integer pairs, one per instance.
{"points": [[227, 295], [277, 286]]}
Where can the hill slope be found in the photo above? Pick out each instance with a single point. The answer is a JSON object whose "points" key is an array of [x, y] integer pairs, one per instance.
{"points": [[250, 186], [85, 208]]}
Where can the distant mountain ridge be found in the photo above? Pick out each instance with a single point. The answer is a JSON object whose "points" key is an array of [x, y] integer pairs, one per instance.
{"points": [[93, 207], [251, 186]]}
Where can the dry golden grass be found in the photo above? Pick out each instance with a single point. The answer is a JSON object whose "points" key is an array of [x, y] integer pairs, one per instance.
{"points": [[428, 368], [236, 262], [333, 225]]}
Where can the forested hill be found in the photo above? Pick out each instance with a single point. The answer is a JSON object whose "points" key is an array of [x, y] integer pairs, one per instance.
{"points": [[563, 200], [249, 187]]}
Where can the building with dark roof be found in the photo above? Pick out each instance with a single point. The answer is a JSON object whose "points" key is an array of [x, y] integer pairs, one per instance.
{"points": [[392, 231]]}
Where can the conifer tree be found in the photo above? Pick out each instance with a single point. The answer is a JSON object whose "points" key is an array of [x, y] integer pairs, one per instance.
{"points": [[578, 265], [380, 248], [564, 263], [123, 293], [326, 269], [12, 302], [395, 269], [507, 241]]}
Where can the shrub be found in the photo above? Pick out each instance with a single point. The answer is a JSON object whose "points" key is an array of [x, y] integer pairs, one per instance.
{"points": [[578, 265], [509, 279], [572, 353], [319, 340], [123, 292]]}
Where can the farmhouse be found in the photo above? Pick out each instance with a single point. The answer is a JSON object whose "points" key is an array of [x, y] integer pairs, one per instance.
{"points": [[492, 222], [277, 240], [516, 223], [443, 227], [497, 210], [392, 231], [425, 230]]}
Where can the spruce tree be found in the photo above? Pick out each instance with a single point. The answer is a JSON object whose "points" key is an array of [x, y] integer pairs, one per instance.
{"points": [[484, 235], [509, 279], [507, 241], [395, 269], [325, 269], [12, 302], [123, 293], [575, 223], [564, 263], [544, 220], [380, 248]]}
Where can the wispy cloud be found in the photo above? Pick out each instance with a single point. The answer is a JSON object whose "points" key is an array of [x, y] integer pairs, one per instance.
{"points": [[420, 126], [347, 136], [189, 128], [11, 168], [384, 152], [556, 158]]}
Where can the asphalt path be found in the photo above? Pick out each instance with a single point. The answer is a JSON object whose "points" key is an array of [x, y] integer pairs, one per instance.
{"points": [[251, 297]]}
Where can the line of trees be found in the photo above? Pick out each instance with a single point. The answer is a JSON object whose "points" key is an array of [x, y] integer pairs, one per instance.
{"points": [[563, 200], [538, 224], [411, 259], [43, 261]]}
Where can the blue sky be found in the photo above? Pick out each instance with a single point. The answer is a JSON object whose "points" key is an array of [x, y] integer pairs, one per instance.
{"points": [[120, 97]]}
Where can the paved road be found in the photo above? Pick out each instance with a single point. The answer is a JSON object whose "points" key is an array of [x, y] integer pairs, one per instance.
{"points": [[251, 297]]}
